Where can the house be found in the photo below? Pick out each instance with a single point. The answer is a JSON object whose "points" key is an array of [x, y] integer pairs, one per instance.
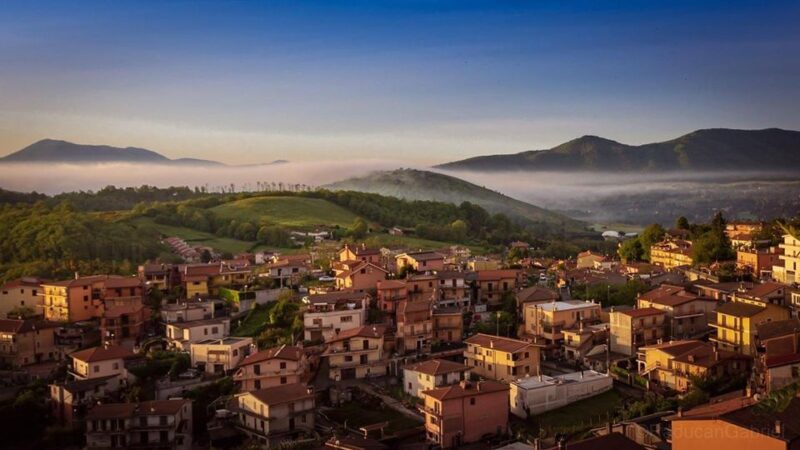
{"points": [[289, 270], [390, 293], [671, 253], [480, 263], [146, 425], [220, 356], [419, 261], [634, 328], [536, 294], [357, 353], [414, 327], [448, 325], [432, 374], [578, 343], [588, 259], [85, 298], [736, 323], [272, 367], [788, 271], [465, 412], [673, 364], [762, 293], [453, 289], [201, 280], [181, 335], [422, 286], [187, 310], [275, 415], [329, 314], [105, 362], [758, 262], [687, 314], [501, 358], [360, 253], [28, 341], [538, 394], [156, 276], [778, 356], [545, 321], [361, 276], [21, 293], [70, 400], [123, 325], [494, 284]]}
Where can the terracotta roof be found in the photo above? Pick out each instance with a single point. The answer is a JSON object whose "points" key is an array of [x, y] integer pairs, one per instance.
{"points": [[777, 328], [488, 275], [367, 331], [676, 348], [466, 389], [498, 342], [391, 284], [108, 281], [536, 294], [24, 326], [24, 281], [740, 309], [706, 356], [111, 410], [424, 256], [764, 289], [615, 441], [122, 410], [437, 367], [102, 353], [289, 353], [717, 407], [406, 307], [756, 418], [283, 394], [642, 312]]}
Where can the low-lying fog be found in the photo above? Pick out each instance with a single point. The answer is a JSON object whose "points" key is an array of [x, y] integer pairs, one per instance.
{"points": [[637, 198]]}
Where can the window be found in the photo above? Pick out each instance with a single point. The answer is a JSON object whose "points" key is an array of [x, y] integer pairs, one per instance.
{"points": [[257, 384], [283, 365], [346, 319], [96, 368], [472, 401], [214, 330], [162, 420], [283, 380], [116, 366], [235, 352]]}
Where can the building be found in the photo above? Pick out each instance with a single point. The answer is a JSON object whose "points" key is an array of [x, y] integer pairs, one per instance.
{"points": [[156, 276], [758, 262], [357, 353], [479, 263], [762, 293], [106, 362], [187, 310], [778, 358], [536, 294], [181, 335], [147, 425], [579, 343], [360, 253], [671, 253], [501, 358], [21, 294], [419, 261], [588, 259], [494, 284], [422, 286], [275, 415], [202, 280], [432, 374], [687, 314], [736, 323], [789, 271], [272, 367], [452, 289], [390, 293], [414, 327], [545, 321], [674, 363], [26, 342], [360, 276], [465, 412], [634, 328], [85, 298], [123, 325], [70, 400], [448, 325], [538, 394], [289, 270], [220, 355], [330, 314]]}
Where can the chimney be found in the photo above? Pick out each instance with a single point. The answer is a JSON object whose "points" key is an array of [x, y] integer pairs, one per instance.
{"points": [[778, 427], [680, 411], [77, 275]]}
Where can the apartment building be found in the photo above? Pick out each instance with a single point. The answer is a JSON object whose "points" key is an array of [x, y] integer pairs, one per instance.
{"points": [[419, 261], [634, 328], [675, 363], [147, 425], [181, 335], [736, 323], [671, 253], [359, 276], [276, 415], [431, 374], [202, 280], [156, 276], [220, 356], [71, 399], [448, 324], [687, 314], [546, 321], [85, 298], [357, 353], [788, 271], [360, 253], [494, 284], [414, 327], [757, 261], [501, 358], [26, 342], [123, 325], [272, 367], [188, 310], [539, 394], [21, 293], [536, 294], [390, 293]]}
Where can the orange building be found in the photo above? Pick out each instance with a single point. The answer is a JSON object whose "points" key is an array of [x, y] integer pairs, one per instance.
{"points": [[448, 325], [758, 262], [360, 276], [414, 327], [493, 284], [390, 293], [420, 261], [84, 298], [272, 367]]}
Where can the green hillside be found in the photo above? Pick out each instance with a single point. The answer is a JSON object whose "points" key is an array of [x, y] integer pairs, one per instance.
{"points": [[413, 184], [293, 212]]}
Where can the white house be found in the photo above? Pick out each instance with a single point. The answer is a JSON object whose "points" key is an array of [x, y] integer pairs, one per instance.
{"points": [[182, 334], [538, 394]]}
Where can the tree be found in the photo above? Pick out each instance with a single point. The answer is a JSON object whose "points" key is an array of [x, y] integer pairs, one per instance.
{"points": [[631, 250], [359, 229], [205, 256], [682, 223], [650, 235]]}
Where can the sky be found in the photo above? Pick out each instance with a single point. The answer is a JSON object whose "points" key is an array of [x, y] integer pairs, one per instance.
{"points": [[418, 81]]}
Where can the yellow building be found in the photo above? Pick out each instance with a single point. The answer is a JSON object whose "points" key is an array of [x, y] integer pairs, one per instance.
{"points": [[357, 353], [671, 253], [674, 363], [501, 358], [547, 320], [789, 271], [635, 328], [21, 293], [276, 415], [736, 323], [84, 298]]}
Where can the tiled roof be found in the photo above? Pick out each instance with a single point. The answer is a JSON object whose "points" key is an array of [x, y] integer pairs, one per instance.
{"points": [[24, 326], [739, 309], [499, 274], [124, 410], [23, 282], [781, 360], [102, 353], [466, 389], [536, 294], [437, 367], [642, 312], [367, 331], [498, 342], [755, 418], [425, 256], [764, 289], [283, 394], [391, 284], [777, 328], [289, 353]]}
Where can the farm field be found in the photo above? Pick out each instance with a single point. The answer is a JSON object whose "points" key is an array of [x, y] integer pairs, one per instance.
{"points": [[293, 212]]}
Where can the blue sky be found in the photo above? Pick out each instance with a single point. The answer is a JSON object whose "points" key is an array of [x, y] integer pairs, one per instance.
{"points": [[423, 82]]}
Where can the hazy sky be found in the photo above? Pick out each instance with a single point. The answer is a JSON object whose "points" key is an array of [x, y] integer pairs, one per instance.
{"points": [[423, 82]]}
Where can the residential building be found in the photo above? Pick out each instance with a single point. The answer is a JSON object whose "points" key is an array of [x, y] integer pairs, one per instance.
{"points": [[539, 394], [579, 343], [778, 359], [465, 412], [329, 314], [762, 293], [546, 321], [744, 234], [202, 280], [357, 353], [501, 358], [453, 289], [105, 362], [671, 253], [587, 259], [687, 314], [419, 261], [536, 294], [736, 323], [220, 356], [154, 424], [479, 263], [22, 293], [448, 325], [188, 310], [789, 271], [181, 335], [758, 262], [28, 341], [276, 415], [634, 328], [84, 298], [272, 367], [156, 276], [70, 400], [414, 326], [422, 286], [673, 364], [123, 325], [390, 293], [360, 253], [494, 284], [431, 374], [362, 276]]}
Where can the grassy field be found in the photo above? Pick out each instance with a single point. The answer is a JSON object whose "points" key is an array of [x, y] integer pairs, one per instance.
{"points": [[358, 414], [577, 417], [294, 212], [197, 237], [254, 323]]}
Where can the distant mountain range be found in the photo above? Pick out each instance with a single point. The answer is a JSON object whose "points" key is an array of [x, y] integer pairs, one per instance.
{"points": [[411, 184], [703, 150]]}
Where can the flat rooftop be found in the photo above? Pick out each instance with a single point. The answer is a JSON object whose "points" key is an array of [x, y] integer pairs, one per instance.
{"points": [[534, 382], [565, 305]]}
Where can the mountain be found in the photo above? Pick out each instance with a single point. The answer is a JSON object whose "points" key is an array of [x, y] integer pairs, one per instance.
{"points": [[413, 184], [707, 150], [50, 150]]}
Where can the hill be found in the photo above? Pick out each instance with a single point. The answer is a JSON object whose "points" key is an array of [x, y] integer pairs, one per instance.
{"points": [[703, 150], [50, 150], [293, 212], [413, 184]]}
